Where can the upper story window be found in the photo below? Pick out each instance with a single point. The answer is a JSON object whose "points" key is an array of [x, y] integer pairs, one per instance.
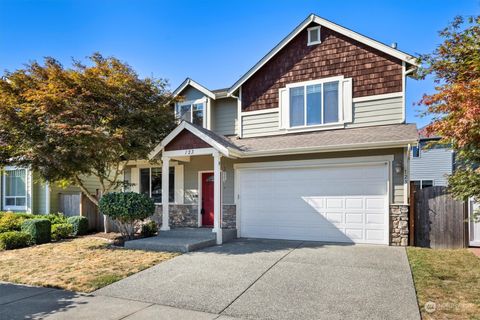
{"points": [[15, 189], [314, 103], [314, 36], [192, 111]]}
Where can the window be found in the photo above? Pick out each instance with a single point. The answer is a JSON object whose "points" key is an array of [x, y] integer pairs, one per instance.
{"points": [[15, 189], [314, 104], [151, 184], [415, 152], [314, 36], [191, 111], [420, 184]]}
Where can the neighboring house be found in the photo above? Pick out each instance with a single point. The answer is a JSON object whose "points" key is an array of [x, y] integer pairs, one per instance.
{"points": [[22, 191], [310, 144], [430, 162]]}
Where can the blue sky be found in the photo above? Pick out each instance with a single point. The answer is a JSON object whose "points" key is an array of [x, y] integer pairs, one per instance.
{"points": [[213, 42]]}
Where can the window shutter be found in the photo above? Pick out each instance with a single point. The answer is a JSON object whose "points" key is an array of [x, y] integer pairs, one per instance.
{"points": [[283, 108], [347, 100]]}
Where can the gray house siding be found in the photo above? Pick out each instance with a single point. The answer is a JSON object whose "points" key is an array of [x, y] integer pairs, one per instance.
{"points": [[432, 164], [224, 116], [260, 124], [377, 112]]}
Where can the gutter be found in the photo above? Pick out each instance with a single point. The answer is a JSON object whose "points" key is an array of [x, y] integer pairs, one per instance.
{"points": [[350, 147]]}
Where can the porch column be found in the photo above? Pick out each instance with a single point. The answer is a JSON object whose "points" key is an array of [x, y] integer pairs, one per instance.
{"points": [[217, 197], [165, 188]]}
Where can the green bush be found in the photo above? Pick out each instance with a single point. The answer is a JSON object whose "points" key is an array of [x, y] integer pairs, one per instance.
{"points": [[149, 229], [61, 231], [10, 221], [128, 209], [14, 240], [38, 229], [55, 218], [79, 224]]}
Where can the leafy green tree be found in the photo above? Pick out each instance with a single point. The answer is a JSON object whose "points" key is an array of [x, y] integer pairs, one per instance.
{"points": [[71, 123], [455, 106]]}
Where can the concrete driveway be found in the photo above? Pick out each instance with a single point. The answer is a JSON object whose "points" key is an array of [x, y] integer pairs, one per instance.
{"points": [[247, 279], [267, 279]]}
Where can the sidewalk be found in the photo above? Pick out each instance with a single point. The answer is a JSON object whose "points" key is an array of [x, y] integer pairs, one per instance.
{"points": [[21, 302]]}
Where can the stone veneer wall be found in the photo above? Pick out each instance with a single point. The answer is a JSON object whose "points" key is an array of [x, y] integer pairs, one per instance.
{"points": [[181, 215], [186, 215], [229, 220], [398, 225]]}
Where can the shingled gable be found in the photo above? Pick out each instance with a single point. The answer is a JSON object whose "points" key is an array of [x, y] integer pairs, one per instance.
{"points": [[186, 140], [409, 60]]}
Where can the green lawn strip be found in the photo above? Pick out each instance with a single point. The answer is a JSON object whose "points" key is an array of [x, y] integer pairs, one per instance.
{"points": [[448, 278]]}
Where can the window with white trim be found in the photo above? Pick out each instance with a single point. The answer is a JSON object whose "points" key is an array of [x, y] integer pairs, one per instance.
{"points": [[192, 111], [151, 183], [313, 36], [15, 189], [420, 184], [314, 103]]}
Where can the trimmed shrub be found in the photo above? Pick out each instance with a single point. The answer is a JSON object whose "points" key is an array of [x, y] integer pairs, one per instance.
{"points": [[61, 231], [79, 224], [149, 229], [14, 240], [39, 229], [127, 209]]}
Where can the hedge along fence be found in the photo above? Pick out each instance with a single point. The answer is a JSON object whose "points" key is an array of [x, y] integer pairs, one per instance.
{"points": [[79, 224]]}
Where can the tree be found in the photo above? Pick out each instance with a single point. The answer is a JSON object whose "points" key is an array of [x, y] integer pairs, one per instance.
{"points": [[455, 106], [67, 124]]}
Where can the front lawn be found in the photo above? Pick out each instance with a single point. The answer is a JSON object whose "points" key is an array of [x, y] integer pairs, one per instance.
{"points": [[83, 264], [447, 283]]}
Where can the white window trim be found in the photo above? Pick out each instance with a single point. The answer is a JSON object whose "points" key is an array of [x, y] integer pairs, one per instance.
{"points": [[4, 194], [311, 43], [330, 125], [192, 102], [140, 167]]}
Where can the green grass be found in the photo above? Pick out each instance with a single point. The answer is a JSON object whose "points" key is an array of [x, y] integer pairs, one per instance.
{"points": [[448, 278], [104, 280]]}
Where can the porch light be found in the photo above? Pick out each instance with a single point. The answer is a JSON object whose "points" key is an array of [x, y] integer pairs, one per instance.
{"points": [[398, 166]]}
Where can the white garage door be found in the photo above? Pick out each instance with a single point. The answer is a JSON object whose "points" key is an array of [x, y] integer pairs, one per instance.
{"points": [[344, 203]]}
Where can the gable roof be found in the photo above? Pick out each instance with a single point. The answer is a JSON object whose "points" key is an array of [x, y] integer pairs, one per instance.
{"points": [[330, 25], [190, 82], [218, 142]]}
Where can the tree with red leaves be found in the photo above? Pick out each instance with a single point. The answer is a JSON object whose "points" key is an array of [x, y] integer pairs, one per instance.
{"points": [[455, 106]]}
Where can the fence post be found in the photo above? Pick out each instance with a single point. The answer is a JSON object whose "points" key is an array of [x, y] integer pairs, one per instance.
{"points": [[411, 215]]}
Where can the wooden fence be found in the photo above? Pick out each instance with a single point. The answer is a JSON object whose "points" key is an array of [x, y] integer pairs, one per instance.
{"points": [[440, 221], [74, 204]]}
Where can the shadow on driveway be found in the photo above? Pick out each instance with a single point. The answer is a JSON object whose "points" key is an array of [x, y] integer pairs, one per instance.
{"points": [[25, 302]]}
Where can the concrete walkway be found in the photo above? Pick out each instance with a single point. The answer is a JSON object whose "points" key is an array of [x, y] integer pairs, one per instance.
{"points": [[248, 279]]}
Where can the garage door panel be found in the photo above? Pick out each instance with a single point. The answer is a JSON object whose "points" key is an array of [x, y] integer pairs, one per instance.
{"points": [[345, 204]]}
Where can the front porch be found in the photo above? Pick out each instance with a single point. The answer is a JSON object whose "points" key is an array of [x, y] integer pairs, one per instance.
{"points": [[197, 198], [180, 240]]}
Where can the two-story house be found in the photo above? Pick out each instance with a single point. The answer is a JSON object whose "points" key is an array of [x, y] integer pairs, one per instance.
{"points": [[310, 144]]}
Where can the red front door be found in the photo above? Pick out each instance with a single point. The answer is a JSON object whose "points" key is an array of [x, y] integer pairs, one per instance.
{"points": [[207, 199]]}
